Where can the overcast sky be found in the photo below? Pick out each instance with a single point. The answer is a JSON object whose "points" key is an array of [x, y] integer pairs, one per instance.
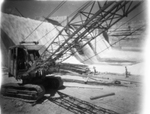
{"points": [[37, 9], [34, 9]]}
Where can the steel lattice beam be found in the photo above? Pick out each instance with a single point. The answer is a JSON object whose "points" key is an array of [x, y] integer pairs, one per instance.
{"points": [[81, 26], [86, 21]]}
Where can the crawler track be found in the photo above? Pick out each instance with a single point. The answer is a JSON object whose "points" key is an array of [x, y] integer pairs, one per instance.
{"points": [[27, 92], [31, 92]]}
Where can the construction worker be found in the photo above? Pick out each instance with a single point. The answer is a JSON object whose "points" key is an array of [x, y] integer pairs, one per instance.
{"points": [[32, 60]]}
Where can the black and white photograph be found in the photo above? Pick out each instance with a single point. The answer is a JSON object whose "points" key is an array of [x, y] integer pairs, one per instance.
{"points": [[73, 56]]}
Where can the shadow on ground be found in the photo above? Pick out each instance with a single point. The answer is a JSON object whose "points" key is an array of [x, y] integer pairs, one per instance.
{"points": [[76, 105]]}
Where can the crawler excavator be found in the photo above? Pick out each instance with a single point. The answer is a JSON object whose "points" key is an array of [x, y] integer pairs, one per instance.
{"points": [[21, 59], [79, 31]]}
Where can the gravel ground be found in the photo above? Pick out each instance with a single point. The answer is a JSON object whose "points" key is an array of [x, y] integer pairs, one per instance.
{"points": [[75, 98]]}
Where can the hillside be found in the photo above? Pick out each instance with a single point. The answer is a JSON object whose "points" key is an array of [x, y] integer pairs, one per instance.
{"points": [[16, 29]]}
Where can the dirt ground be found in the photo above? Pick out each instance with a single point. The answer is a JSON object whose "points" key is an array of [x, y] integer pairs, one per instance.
{"points": [[75, 97]]}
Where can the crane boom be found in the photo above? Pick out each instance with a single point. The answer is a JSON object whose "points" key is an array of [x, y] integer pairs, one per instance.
{"points": [[95, 15], [80, 29], [105, 17]]}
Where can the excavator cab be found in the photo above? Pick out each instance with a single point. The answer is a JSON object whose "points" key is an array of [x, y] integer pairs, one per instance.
{"points": [[33, 85], [21, 57]]}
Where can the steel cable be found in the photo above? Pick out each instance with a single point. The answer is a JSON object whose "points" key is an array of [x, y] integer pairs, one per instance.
{"points": [[113, 43], [63, 2], [75, 12], [118, 27]]}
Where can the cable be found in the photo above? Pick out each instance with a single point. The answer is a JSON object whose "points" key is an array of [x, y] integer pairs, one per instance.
{"points": [[75, 12], [121, 25], [127, 21], [116, 29], [63, 21], [63, 2], [19, 12], [107, 47], [113, 43]]}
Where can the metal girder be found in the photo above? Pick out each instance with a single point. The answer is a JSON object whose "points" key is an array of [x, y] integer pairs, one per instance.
{"points": [[95, 14]]}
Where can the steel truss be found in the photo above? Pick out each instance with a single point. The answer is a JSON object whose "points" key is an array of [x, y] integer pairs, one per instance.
{"points": [[94, 15], [79, 30]]}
